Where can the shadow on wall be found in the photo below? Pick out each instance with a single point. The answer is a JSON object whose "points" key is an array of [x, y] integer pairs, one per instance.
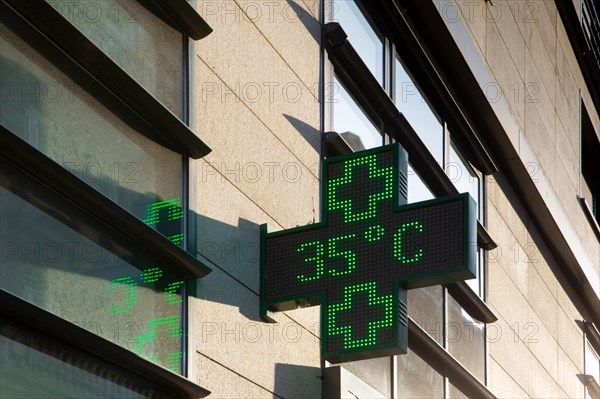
{"points": [[310, 23], [305, 381], [309, 133], [233, 252]]}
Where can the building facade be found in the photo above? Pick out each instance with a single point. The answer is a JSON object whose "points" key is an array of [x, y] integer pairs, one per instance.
{"points": [[144, 143]]}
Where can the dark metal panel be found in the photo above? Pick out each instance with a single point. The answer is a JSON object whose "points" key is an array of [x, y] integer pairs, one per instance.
{"points": [[117, 83], [85, 341], [107, 214], [181, 15]]}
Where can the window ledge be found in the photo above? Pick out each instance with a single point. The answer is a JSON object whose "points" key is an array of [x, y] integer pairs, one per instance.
{"points": [[85, 341], [94, 204], [590, 216], [118, 84], [378, 106], [471, 302]]}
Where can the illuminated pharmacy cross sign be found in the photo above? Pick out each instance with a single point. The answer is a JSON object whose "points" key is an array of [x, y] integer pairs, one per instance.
{"points": [[359, 261]]}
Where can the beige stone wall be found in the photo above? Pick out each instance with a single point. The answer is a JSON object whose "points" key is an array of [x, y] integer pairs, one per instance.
{"points": [[256, 105], [539, 349], [535, 72], [536, 346]]}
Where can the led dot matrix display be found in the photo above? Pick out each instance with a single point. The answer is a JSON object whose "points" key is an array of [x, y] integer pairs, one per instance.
{"points": [[364, 253]]}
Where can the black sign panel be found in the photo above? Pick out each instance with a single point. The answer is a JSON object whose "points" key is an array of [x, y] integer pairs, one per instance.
{"points": [[364, 253]]}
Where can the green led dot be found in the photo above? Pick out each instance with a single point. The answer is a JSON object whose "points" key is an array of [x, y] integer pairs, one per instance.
{"points": [[373, 326], [317, 258], [398, 238], [374, 172]]}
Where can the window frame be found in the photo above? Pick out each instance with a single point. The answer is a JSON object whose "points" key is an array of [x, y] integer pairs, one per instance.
{"points": [[118, 89], [362, 86]]}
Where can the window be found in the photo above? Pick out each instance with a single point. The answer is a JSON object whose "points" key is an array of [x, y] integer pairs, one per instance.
{"points": [[365, 39], [63, 120], [592, 369], [411, 103], [590, 179], [143, 45], [64, 265], [432, 308], [33, 367], [91, 266], [348, 117]]}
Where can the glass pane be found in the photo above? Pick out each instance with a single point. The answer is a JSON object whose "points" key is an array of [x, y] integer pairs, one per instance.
{"points": [[425, 307], [461, 175], [414, 108], [375, 372], [592, 362], [367, 43], [46, 108], [348, 117], [417, 379], [57, 259], [466, 181], [417, 190], [466, 339], [33, 367], [139, 42]]}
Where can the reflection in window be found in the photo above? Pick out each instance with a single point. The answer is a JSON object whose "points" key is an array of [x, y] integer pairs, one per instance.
{"points": [[466, 339], [592, 362], [417, 379], [139, 42], [56, 258], [466, 181], [417, 190], [34, 367], [462, 175], [348, 117], [367, 43], [61, 119], [375, 372], [411, 103], [426, 308]]}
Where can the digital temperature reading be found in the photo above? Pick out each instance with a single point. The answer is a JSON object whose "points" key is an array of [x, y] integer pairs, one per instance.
{"points": [[366, 251]]}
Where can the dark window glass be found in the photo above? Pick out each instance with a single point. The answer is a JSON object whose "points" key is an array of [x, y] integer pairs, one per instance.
{"points": [[139, 42], [58, 259], [590, 148], [42, 105]]}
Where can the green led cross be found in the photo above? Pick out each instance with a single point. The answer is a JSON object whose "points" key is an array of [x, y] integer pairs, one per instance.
{"points": [[366, 252]]}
